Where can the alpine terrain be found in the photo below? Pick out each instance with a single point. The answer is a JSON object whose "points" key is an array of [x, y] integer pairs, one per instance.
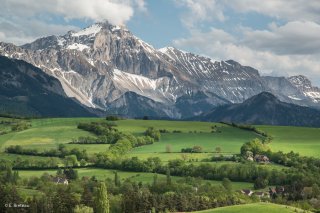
{"points": [[105, 67], [264, 108]]}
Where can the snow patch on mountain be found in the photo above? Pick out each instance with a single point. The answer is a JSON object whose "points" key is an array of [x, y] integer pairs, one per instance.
{"points": [[157, 89], [89, 31], [77, 46]]}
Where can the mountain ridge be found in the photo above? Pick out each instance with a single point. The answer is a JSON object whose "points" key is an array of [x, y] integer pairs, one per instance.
{"points": [[28, 91], [264, 109], [99, 64]]}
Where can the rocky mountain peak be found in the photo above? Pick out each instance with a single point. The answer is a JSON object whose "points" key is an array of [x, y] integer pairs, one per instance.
{"points": [[99, 64]]}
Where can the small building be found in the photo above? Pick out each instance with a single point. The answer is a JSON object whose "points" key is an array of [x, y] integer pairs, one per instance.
{"points": [[247, 192], [272, 192], [59, 180], [261, 194], [250, 158], [280, 189], [261, 159]]}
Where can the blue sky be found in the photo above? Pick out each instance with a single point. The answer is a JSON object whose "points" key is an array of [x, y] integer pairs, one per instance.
{"points": [[278, 37]]}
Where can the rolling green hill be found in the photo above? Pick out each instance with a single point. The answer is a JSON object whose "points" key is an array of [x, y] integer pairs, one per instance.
{"points": [[303, 140], [254, 208]]}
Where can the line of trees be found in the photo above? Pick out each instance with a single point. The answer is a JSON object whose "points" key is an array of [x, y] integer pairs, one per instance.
{"points": [[194, 149], [60, 152], [267, 137]]}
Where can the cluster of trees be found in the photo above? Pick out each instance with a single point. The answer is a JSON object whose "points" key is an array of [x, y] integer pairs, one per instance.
{"points": [[29, 163], [255, 147], [98, 128], [113, 118], [153, 133], [109, 138], [112, 195], [20, 126], [194, 149], [121, 142], [61, 152]]}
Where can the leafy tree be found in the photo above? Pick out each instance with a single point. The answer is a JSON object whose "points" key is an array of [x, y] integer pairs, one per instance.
{"points": [[116, 179], [261, 183], [101, 200], [71, 160], [168, 148], [197, 149], [83, 209], [218, 149], [155, 180], [255, 146], [112, 118], [168, 176], [226, 183], [153, 133], [71, 174], [87, 197]]}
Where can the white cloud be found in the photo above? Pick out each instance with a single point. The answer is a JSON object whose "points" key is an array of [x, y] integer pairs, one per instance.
{"points": [[199, 11], [116, 11], [295, 37], [293, 47], [29, 19], [225, 47], [282, 9]]}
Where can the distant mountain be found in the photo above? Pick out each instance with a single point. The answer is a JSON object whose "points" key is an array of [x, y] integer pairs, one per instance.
{"points": [[133, 105], [27, 91], [264, 108], [100, 64]]}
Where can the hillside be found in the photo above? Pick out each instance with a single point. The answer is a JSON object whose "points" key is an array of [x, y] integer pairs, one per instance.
{"points": [[253, 208], [264, 108], [27, 91]]}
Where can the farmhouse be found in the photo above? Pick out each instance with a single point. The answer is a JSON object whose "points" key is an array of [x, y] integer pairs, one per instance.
{"points": [[261, 159], [59, 180], [247, 192], [261, 194]]}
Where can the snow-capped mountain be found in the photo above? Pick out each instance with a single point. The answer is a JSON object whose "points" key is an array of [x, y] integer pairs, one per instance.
{"points": [[102, 66], [305, 87]]}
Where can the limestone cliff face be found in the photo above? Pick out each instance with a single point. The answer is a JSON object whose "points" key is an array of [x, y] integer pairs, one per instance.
{"points": [[100, 64]]}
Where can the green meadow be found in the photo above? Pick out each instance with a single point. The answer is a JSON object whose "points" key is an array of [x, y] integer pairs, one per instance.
{"points": [[48, 133], [303, 140], [103, 174], [254, 208]]}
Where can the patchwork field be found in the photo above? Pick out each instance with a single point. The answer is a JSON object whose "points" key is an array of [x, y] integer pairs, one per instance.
{"points": [[47, 134], [102, 174]]}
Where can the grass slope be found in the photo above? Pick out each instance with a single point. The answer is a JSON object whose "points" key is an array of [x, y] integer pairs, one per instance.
{"points": [[254, 208], [305, 141], [48, 133], [143, 177]]}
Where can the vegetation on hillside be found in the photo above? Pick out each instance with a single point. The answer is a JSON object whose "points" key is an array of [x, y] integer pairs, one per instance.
{"points": [[296, 174]]}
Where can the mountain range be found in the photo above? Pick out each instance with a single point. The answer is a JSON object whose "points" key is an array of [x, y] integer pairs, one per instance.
{"points": [[28, 91], [106, 69], [264, 108]]}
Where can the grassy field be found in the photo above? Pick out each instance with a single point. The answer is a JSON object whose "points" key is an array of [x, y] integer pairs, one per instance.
{"points": [[48, 133], [143, 177], [254, 208], [192, 133], [305, 141]]}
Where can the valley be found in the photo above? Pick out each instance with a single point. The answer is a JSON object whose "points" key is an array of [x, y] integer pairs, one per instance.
{"points": [[219, 143]]}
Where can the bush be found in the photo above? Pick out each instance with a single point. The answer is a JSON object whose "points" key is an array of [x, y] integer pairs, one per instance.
{"points": [[153, 133], [195, 149], [113, 118]]}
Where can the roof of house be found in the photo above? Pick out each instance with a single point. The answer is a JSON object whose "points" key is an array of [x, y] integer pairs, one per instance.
{"points": [[259, 193], [60, 180], [246, 191]]}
